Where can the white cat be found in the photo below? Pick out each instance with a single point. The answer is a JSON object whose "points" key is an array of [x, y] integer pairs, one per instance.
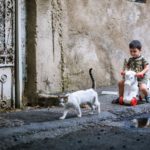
{"points": [[75, 99]]}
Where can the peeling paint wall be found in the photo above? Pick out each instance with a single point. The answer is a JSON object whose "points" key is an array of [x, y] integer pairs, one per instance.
{"points": [[49, 46], [67, 37], [99, 32]]}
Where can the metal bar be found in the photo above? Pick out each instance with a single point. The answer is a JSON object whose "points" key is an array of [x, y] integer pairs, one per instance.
{"points": [[1, 91], [18, 58], [5, 66]]}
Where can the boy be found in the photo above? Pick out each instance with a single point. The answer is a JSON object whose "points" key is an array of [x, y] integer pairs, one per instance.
{"points": [[138, 64]]}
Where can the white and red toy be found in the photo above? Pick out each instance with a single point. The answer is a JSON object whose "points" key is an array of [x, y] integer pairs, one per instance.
{"points": [[131, 94], [131, 89]]}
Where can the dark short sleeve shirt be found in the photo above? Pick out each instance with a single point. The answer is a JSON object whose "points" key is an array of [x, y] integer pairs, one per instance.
{"points": [[137, 64]]}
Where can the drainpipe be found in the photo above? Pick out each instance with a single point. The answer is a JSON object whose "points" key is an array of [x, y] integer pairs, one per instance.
{"points": [[18, 56]]}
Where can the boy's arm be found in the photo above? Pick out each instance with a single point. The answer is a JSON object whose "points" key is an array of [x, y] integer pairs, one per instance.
{"points": [[125, 67], [141, 74], [146, 68]]}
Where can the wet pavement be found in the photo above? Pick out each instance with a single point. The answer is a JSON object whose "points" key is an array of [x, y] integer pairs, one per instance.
{"points": [[40, 128]]}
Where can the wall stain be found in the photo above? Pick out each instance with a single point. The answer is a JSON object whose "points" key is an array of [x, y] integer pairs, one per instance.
{"points": [[57, 25], [31, 82]]}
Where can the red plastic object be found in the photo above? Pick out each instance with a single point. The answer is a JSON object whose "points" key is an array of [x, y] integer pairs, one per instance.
{"points": [[121, 100], [122, 73], [140, 76], [140, 97], [133, 101]]}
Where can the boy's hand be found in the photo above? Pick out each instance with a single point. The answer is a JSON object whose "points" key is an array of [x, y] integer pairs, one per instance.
{"points": [[139, 75], [122, 72]]}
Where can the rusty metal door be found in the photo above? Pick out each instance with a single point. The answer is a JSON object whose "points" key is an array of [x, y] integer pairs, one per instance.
{"points": [[7, 53]]}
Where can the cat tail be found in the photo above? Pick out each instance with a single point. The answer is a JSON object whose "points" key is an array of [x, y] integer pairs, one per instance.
{"points": [[92, 79]]}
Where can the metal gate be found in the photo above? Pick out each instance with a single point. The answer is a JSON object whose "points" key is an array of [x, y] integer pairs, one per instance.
{"points": [[7, 53]]}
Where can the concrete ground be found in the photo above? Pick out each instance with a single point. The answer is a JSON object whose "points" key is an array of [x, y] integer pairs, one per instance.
{"points": [[40, 128]]}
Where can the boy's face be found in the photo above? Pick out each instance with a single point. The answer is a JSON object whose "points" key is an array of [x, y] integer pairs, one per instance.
{"points": [[135, 52]]}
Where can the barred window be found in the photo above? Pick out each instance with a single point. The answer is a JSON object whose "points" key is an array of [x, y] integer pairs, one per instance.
{"points": [[138, 1]]}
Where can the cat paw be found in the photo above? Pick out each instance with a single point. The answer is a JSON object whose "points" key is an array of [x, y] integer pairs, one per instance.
{"points": [[61, 118], [99, 112], [91, 113], [79, 116]]}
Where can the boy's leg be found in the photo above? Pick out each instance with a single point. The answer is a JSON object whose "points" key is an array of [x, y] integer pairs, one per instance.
{"points": [[143, 89], [121, 90], [121, 87]]}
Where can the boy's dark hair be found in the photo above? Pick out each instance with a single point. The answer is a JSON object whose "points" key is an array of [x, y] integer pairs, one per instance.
{"points": [[135, 44]]}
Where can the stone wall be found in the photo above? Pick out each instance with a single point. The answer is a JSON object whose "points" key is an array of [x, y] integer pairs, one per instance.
{"points": [[67, 37], [49, 46], [99, 32]]}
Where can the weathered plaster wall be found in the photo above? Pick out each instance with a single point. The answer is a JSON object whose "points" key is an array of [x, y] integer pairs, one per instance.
{"points": [[67, 37], [49, 46], [45, 47], [99, 33]]}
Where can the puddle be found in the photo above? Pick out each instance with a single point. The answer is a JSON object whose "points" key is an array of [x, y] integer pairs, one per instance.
{"points": [[141, 122]]}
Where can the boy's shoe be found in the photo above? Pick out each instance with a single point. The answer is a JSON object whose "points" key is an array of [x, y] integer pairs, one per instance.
{"points": [[141, 102], [115, 101], [147, 98]]}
